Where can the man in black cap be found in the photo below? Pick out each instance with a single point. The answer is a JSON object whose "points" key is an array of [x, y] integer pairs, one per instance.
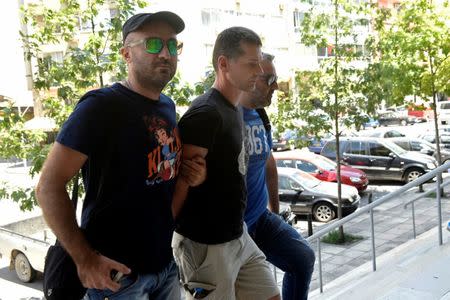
{"points": [[125, 140]]}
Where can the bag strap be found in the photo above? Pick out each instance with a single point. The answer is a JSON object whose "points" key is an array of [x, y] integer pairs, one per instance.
{"points": [[265, 118]]}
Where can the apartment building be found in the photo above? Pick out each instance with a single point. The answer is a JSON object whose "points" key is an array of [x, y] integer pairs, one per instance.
{"points": [[276, 21]]}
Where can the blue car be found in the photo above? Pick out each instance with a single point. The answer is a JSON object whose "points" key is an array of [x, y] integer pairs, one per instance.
{"points": [[316, 145], [372, 123]]}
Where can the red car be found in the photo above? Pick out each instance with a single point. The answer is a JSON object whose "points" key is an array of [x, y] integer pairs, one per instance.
{"points": [[321, 167]]}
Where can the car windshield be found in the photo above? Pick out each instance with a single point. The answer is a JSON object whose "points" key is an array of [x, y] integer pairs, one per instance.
{"points": [[324, 163], [305, 179], [394, 147], [427, 144]]}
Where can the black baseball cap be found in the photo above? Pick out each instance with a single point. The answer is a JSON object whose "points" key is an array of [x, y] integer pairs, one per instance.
{"points": [[137, 21]]}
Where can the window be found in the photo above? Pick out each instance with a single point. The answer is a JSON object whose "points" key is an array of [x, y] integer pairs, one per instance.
{"points": [[356, 148], [325, 51], [113, 13], [283, 183], [298, 19], [286, 183], [57, 57], [206, 18], [306, 166], [393, 134], [329, 150], [376, 149], [405, 145], [286, 163], [294, 185], [416, 146], [445, 106], [84, 25]]}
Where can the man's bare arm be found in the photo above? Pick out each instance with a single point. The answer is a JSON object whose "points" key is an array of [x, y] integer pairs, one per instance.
{"points": [[272, 184], [194, 157], [60, 167]]}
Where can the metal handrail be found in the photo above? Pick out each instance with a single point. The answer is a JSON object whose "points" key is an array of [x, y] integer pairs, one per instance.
{"points": [[370, 207], [424, 194]]}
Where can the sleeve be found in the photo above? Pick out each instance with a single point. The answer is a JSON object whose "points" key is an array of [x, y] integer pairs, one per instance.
{"points": [[269, 139], [199, 127], [86, 125]]}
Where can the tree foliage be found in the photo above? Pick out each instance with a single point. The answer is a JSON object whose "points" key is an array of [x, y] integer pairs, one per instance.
{"points": [[334, 88], [90, 45], [412, 54]]}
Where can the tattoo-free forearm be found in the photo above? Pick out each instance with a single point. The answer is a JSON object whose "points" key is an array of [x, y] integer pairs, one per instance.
{"points": [[272, 184], [179, 196], [59, 214]]}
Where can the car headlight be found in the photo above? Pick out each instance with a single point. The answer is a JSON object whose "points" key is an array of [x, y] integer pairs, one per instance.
{"points": [[353, 198], [431, 165], [355, 179]]}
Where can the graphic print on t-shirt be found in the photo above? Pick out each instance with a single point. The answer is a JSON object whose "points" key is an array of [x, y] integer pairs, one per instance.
{"points": [[164, 160], [242, 159], [256, 140]]}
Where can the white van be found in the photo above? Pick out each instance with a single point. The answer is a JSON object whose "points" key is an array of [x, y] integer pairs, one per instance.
{"points": [[443, 110]]}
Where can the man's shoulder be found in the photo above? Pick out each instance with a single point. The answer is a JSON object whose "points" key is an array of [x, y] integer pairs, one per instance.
{"points": [[99, 96], [166, 99], [205, 103]]}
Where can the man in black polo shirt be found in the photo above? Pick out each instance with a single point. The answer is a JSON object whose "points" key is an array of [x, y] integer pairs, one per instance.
{"points": [[216, 256]]}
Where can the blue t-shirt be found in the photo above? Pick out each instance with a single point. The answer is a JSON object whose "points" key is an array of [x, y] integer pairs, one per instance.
{"points": [[132, 220], [259, 145]]}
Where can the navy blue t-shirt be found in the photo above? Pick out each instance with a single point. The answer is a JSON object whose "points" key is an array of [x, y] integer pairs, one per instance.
{"points": [[132, 220]]}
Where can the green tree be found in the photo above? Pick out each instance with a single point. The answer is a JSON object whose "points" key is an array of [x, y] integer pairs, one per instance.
{"points": [[91, 59], [181, 92], [335, 86], [413, 52]]}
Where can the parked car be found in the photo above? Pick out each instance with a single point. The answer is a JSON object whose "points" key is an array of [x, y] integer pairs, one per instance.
{"points": [[444, 139], [305, 193], [371, 123], [391, 118], [422, 146], [26, 244], [443, 110], [382, 133], [380, 159], [321, 167], [284, 141], [316, 144]]}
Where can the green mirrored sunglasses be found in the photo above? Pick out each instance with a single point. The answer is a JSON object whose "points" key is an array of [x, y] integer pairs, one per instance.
{"points": [[154, 45]]}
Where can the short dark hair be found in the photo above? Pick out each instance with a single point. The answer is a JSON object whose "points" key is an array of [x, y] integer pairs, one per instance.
{"points": [[267, 56], [228, 43]]}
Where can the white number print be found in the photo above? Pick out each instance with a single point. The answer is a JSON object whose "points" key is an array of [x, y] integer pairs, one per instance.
{"points": [[257, 139]]}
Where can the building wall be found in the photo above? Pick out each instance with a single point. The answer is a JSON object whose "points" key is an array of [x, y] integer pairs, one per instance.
{"points": [[13, 80], [276, 21]]}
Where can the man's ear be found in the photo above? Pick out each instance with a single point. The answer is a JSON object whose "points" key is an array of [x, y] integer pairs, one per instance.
{"points": [[125, 52], [222, 63]]}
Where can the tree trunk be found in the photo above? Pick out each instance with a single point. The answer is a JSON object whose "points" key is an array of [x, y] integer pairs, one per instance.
{"points": [[336, 120], [436, 121]]}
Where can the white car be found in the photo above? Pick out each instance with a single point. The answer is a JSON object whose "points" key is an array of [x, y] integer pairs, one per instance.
{"points": [[443, 110]]}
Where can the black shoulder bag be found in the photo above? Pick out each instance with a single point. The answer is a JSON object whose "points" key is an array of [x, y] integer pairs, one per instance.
{"points": [[61, 281]]}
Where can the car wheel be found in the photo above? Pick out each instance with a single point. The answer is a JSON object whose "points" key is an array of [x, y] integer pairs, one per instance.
{"points": [[24, 270], [324, 212], [403, 123], [412, 174]]}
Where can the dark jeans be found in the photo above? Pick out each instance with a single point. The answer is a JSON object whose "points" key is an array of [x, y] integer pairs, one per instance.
{"points": [[285, 248], [161, 286]]}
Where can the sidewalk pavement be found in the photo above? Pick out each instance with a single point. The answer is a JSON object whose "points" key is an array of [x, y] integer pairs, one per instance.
{"points": [[416, 270], [393, 227]]}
